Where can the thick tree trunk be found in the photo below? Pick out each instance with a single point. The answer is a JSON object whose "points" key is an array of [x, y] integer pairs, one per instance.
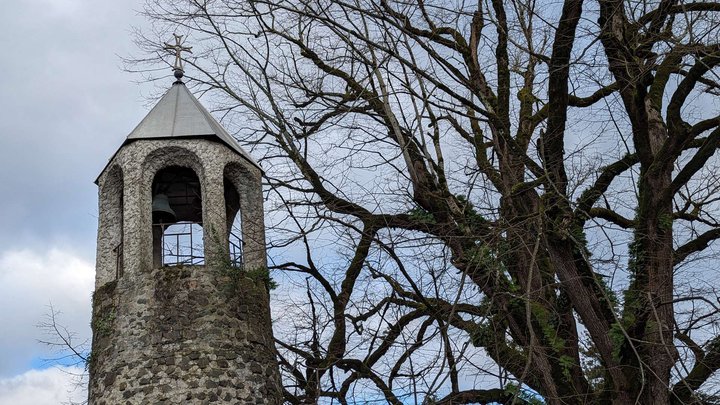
{"points": [[655, 270], [648, 313]]}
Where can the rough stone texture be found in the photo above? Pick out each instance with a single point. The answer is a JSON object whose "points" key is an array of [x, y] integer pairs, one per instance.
{"points": [[193, 334], [110, 226]]}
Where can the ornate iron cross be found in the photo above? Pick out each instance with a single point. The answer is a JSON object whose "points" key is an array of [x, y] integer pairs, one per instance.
{"points": [[178, 48]]}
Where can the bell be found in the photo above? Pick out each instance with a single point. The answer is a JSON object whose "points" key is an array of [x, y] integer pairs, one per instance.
{"points": [[161, 211]]}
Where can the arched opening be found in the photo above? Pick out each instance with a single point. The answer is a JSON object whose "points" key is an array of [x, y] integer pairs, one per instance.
{"points": [[177, 218], [118, 249], [110, 241], [233, 217]]}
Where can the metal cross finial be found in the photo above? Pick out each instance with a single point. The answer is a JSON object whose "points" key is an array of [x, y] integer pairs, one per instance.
{"points": [[178, 48]]}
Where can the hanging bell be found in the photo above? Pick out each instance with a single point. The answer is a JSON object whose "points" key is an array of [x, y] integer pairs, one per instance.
{"points": [[161, 211]]}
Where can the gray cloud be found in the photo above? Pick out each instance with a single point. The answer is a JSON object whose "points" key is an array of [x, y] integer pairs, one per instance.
{"points": [[66, 106]]}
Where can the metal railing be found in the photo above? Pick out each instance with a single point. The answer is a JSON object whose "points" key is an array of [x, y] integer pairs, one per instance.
{"points": [[118, 260], [236, 251], [182, 244]]}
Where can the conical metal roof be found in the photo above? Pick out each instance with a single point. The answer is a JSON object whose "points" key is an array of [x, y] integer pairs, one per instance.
{"points": [[179, 114]]}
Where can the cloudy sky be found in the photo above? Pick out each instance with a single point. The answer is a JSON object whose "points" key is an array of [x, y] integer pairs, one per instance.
{"points": [[65, 106]]}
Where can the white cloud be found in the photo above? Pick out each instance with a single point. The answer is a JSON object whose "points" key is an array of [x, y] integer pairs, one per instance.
{"points": [[29, 281], [52, 386]]}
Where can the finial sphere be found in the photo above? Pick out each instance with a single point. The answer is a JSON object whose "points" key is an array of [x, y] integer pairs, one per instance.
{"points": [[178, 74]]}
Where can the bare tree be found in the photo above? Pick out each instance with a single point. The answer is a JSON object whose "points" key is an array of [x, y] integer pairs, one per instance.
{"points": [[66, 349], [489, 201]]}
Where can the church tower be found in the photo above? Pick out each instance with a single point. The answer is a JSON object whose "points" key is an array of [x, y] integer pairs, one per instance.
{"points": [[181, 309]]}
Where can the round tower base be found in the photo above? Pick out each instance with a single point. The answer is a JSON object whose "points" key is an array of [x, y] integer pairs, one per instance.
{"points": [[184, 335]]}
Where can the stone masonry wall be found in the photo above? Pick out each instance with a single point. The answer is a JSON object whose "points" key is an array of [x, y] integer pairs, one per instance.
{"points": [[183, 335]]}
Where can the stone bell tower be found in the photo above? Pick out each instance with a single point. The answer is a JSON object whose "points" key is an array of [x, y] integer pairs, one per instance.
{"points": [[180, 309]]}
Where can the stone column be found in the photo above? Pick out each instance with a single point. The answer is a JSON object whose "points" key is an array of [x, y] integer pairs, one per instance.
{"points": [[214, 221], [137, 253]]}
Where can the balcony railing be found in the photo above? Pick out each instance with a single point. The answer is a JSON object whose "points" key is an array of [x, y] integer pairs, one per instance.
{"points": [[182, 244], [236, 251], [118, 260]]}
